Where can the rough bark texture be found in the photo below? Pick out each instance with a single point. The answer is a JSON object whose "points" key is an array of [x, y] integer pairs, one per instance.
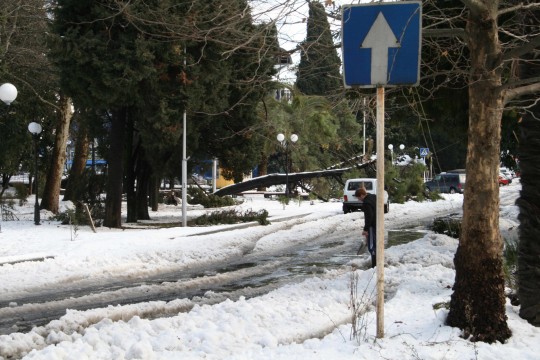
{"points": [[143, 184], [263, 169], [113, 202], [529, 228], [477, 305], [154, 192], [51, 193], [134, 152], [73, 187]]}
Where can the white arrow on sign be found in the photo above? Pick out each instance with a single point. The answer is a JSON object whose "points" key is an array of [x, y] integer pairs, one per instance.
{"points": [[379, 38]]}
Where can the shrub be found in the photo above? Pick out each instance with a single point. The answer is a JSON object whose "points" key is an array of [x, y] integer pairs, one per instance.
{"points": [[405, 183], [233, 217], [510, 258], [447, 226], [21, 193], [78, 216], [198, 196]]}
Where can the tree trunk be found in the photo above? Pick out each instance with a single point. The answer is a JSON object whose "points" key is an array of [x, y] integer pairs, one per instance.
{"points": [[477, 305], [51, 191], [529, 228], [113, 202], [154, 192], [263, 169], [143, 184], [133, 144], [73, 188]]}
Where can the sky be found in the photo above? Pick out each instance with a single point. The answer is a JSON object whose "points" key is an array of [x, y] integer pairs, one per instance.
{"points": [[291, 22], [307, 319]]}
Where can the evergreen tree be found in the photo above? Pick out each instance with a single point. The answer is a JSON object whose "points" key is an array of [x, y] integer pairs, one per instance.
{"points": [[328, 134], [103, 60], [529, 228], [23, 34], [144, 65], [319, 67]]}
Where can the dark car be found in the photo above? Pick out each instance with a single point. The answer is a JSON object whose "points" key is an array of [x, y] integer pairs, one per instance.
{"points": [[447, 183]]}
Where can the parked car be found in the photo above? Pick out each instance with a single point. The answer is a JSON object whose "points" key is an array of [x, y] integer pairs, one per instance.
{"points": [[503, 180], [352, 203], [509, 174], [447, 182]]}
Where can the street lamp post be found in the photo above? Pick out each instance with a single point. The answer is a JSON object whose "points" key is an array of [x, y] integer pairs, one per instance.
{"points": [[8, 93], [401, 153], [391, 148], [35, 130], [285, 144]]}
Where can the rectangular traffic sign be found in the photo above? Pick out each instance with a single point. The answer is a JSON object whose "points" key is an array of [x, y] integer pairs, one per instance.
{"points": [[424, 152], [381, 44]]}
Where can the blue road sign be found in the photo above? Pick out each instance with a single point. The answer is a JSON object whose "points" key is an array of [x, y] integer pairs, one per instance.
{"points": [[381, 44], [424, 152]]}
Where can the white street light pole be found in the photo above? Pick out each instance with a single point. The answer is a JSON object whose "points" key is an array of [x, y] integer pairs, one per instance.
{"points": [[184, 174], [184, 159], [8, 93], [281, 138], [35, 130], [401, 155], [391, 148], [214, 174]]}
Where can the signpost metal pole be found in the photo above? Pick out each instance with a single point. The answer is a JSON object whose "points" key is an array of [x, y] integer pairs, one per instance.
{"points": [[380, 212], [381, 47]]}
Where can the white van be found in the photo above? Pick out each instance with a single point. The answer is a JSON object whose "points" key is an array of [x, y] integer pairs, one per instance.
{"points": [[352, 203]]}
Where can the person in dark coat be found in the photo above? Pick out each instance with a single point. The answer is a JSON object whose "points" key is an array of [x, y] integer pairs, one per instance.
{"points": [[370, 221]]}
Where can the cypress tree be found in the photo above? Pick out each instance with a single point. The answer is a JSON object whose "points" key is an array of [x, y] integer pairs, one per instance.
{"points": [[319, 67]]}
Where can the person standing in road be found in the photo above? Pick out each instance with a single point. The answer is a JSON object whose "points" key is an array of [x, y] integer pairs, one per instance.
{"points": [[370, 221]]}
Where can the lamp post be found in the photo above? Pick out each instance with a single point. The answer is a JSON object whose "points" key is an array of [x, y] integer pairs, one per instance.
{"points": [[285, 144], [401, 153], [391, 148], [8, 93], [35, 130]]}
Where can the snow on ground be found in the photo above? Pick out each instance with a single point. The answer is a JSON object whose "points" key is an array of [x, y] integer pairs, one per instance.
{"points": [[309, 320]]}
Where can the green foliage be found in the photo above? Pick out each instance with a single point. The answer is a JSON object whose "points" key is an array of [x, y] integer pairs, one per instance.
{"points": [[448, 226], [87, 190], [73, 216], [405, 183], [198, 196], [21, 193], [441, 305], [318, 70], [327, 133], [326, 188], [220, 82], [233, 217], [23, 39], [70, 217], [510, 263], [284, 200]]}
